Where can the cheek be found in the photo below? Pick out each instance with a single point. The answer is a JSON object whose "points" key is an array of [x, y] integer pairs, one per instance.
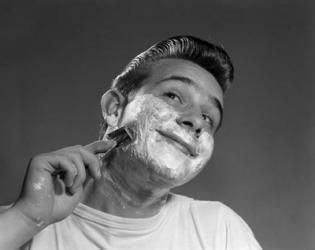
{"points": [[205, 146], [150, 113], [147, 111], [132, 110], [205, 150]]}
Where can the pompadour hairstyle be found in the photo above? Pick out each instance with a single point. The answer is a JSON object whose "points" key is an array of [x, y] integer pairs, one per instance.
{"points": [[209, 56]]}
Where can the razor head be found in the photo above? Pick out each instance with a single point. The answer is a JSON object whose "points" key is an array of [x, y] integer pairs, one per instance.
{"points": [[122, 136]]}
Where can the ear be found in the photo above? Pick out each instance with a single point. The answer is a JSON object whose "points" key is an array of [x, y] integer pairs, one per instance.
{"points": [[112, 103]]}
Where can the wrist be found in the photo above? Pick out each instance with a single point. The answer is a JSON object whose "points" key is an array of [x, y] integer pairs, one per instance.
{"points": [[28, 217], [17, 228]]}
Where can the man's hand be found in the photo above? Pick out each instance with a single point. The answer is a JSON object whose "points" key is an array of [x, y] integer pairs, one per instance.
{"points": [[54, 181]]}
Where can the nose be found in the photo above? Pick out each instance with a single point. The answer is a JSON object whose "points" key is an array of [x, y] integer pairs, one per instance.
{"points": [[192, 122]]}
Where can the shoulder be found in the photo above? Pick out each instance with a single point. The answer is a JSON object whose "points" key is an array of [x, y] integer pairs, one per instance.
{"points": [[5, 207], [219, 225], [237, 232], [231, 231], [199, 207]]}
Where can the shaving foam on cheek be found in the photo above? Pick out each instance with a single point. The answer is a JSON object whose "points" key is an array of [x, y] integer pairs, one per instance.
{"points": [[152, 114]]}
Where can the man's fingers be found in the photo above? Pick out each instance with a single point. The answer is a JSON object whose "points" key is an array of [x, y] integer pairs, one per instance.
{"points": [[73, 162], [81, 176], [91, 162], [67, 167], [98, 147]]}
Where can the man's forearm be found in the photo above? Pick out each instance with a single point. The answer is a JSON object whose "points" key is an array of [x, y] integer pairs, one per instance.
{"points": [[16, 229]]}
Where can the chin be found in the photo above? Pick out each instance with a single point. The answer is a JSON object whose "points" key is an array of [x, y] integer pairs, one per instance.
{"points": [[175, 175], [172, 178], [171, 163], [166, 165]]}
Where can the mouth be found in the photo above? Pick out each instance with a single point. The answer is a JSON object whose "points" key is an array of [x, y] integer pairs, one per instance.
{"points": [[183, 146]]}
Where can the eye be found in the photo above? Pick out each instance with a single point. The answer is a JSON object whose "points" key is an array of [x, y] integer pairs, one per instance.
{"points": [[208, 119], [173, 96]]}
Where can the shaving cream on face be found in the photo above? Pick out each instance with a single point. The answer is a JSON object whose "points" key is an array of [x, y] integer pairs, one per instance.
{"points": [[152, 114]]}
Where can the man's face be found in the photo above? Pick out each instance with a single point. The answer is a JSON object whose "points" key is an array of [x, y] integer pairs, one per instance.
{"points": [[176, 113]]}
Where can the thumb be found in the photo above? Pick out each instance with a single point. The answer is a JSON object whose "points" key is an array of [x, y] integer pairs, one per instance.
{"points": [[98, 147]]}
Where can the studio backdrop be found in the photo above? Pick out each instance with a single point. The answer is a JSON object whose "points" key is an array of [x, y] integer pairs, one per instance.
{"points": [[57, 58]]}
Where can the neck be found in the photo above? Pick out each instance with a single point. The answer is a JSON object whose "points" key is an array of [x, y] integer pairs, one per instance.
{"points": [[126, 190]]}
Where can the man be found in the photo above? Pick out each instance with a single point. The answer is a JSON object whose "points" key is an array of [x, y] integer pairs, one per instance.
{"points": [[171, 96]]}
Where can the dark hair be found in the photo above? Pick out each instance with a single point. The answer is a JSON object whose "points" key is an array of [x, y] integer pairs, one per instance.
{"points": [[209, 56]]}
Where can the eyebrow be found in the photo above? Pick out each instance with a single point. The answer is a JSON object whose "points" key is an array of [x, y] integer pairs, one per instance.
{"points": [[190, 82]]}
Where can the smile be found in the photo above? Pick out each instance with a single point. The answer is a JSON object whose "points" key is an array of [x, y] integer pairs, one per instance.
{"points": [[179, 143]]}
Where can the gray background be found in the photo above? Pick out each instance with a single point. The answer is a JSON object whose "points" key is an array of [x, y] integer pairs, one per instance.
{"points": [[58, 57]]}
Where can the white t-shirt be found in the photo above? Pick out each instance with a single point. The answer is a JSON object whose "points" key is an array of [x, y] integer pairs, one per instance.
{"points": [[183, 224]]}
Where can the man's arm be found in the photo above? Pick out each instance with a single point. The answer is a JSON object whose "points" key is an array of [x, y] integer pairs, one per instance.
{"points": [[16, 229], [52, 188]]}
